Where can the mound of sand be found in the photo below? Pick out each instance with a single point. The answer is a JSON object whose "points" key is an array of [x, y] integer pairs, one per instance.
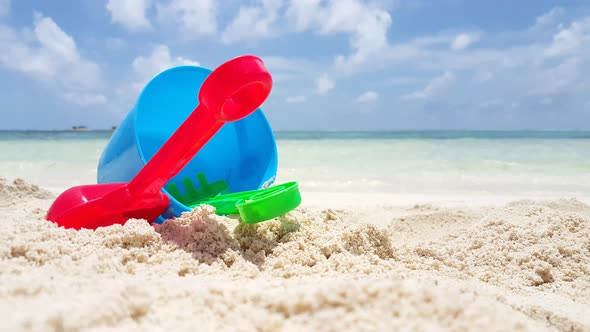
{"points": [[521, 267], [18, 190]]}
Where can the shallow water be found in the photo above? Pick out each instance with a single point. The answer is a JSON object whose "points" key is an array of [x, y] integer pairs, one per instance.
{"points": [[393, 162]]}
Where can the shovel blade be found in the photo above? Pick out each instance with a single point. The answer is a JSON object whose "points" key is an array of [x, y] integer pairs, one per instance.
{"points": [[93, 206]]}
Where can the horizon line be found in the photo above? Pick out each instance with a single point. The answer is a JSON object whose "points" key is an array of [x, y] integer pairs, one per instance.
{"points": [[324, 130]]}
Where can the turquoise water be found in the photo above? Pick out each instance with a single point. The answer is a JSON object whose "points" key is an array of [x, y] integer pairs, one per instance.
{"points": [[433, 134], [413, 162], [322, 135]]}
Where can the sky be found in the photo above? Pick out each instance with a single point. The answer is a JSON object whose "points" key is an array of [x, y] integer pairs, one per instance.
{"points": [[336, 64]]}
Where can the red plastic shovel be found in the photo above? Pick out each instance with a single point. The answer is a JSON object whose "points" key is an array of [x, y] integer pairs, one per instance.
{"points": [[231, 92]]}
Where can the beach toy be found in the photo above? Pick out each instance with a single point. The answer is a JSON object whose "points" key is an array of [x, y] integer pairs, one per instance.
{"points": [[253, 206], [243, 153], [234, 90], [193, 195]]}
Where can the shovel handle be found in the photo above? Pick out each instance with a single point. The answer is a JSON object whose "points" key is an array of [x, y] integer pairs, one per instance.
{"points": [[231, 92]]}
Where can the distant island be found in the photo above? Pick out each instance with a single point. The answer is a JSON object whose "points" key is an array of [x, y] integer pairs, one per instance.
{"points": [[85, 128]]}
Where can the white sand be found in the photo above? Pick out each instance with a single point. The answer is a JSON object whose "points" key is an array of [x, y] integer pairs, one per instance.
{"points": [[520, 266]]}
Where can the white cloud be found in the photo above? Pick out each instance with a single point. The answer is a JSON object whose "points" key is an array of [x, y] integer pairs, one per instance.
{"points": [[303, 13], [437, 86], [571, 39], [517, 68], [368, 97], [548, 18], [323, 85], [419, 54], [285, 69], [130, 13], [423, 53], [432, 40], [453, 41], [146, 67], [561, 79], [50, 56], [196, 17], [253, 23], [4, 7], [295, 99], [54, 40], [462, 41], [366, 24], [288, 69]]}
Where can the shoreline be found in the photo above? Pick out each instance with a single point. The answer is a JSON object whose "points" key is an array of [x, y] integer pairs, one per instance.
{"points": [[467, 199], [368, 200]]}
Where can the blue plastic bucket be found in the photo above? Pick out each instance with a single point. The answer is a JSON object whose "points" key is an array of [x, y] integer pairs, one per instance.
{"points": [[242, 153]]}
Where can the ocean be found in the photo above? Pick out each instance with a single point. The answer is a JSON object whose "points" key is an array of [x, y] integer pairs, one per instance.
{"points": [[516, 163]]}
